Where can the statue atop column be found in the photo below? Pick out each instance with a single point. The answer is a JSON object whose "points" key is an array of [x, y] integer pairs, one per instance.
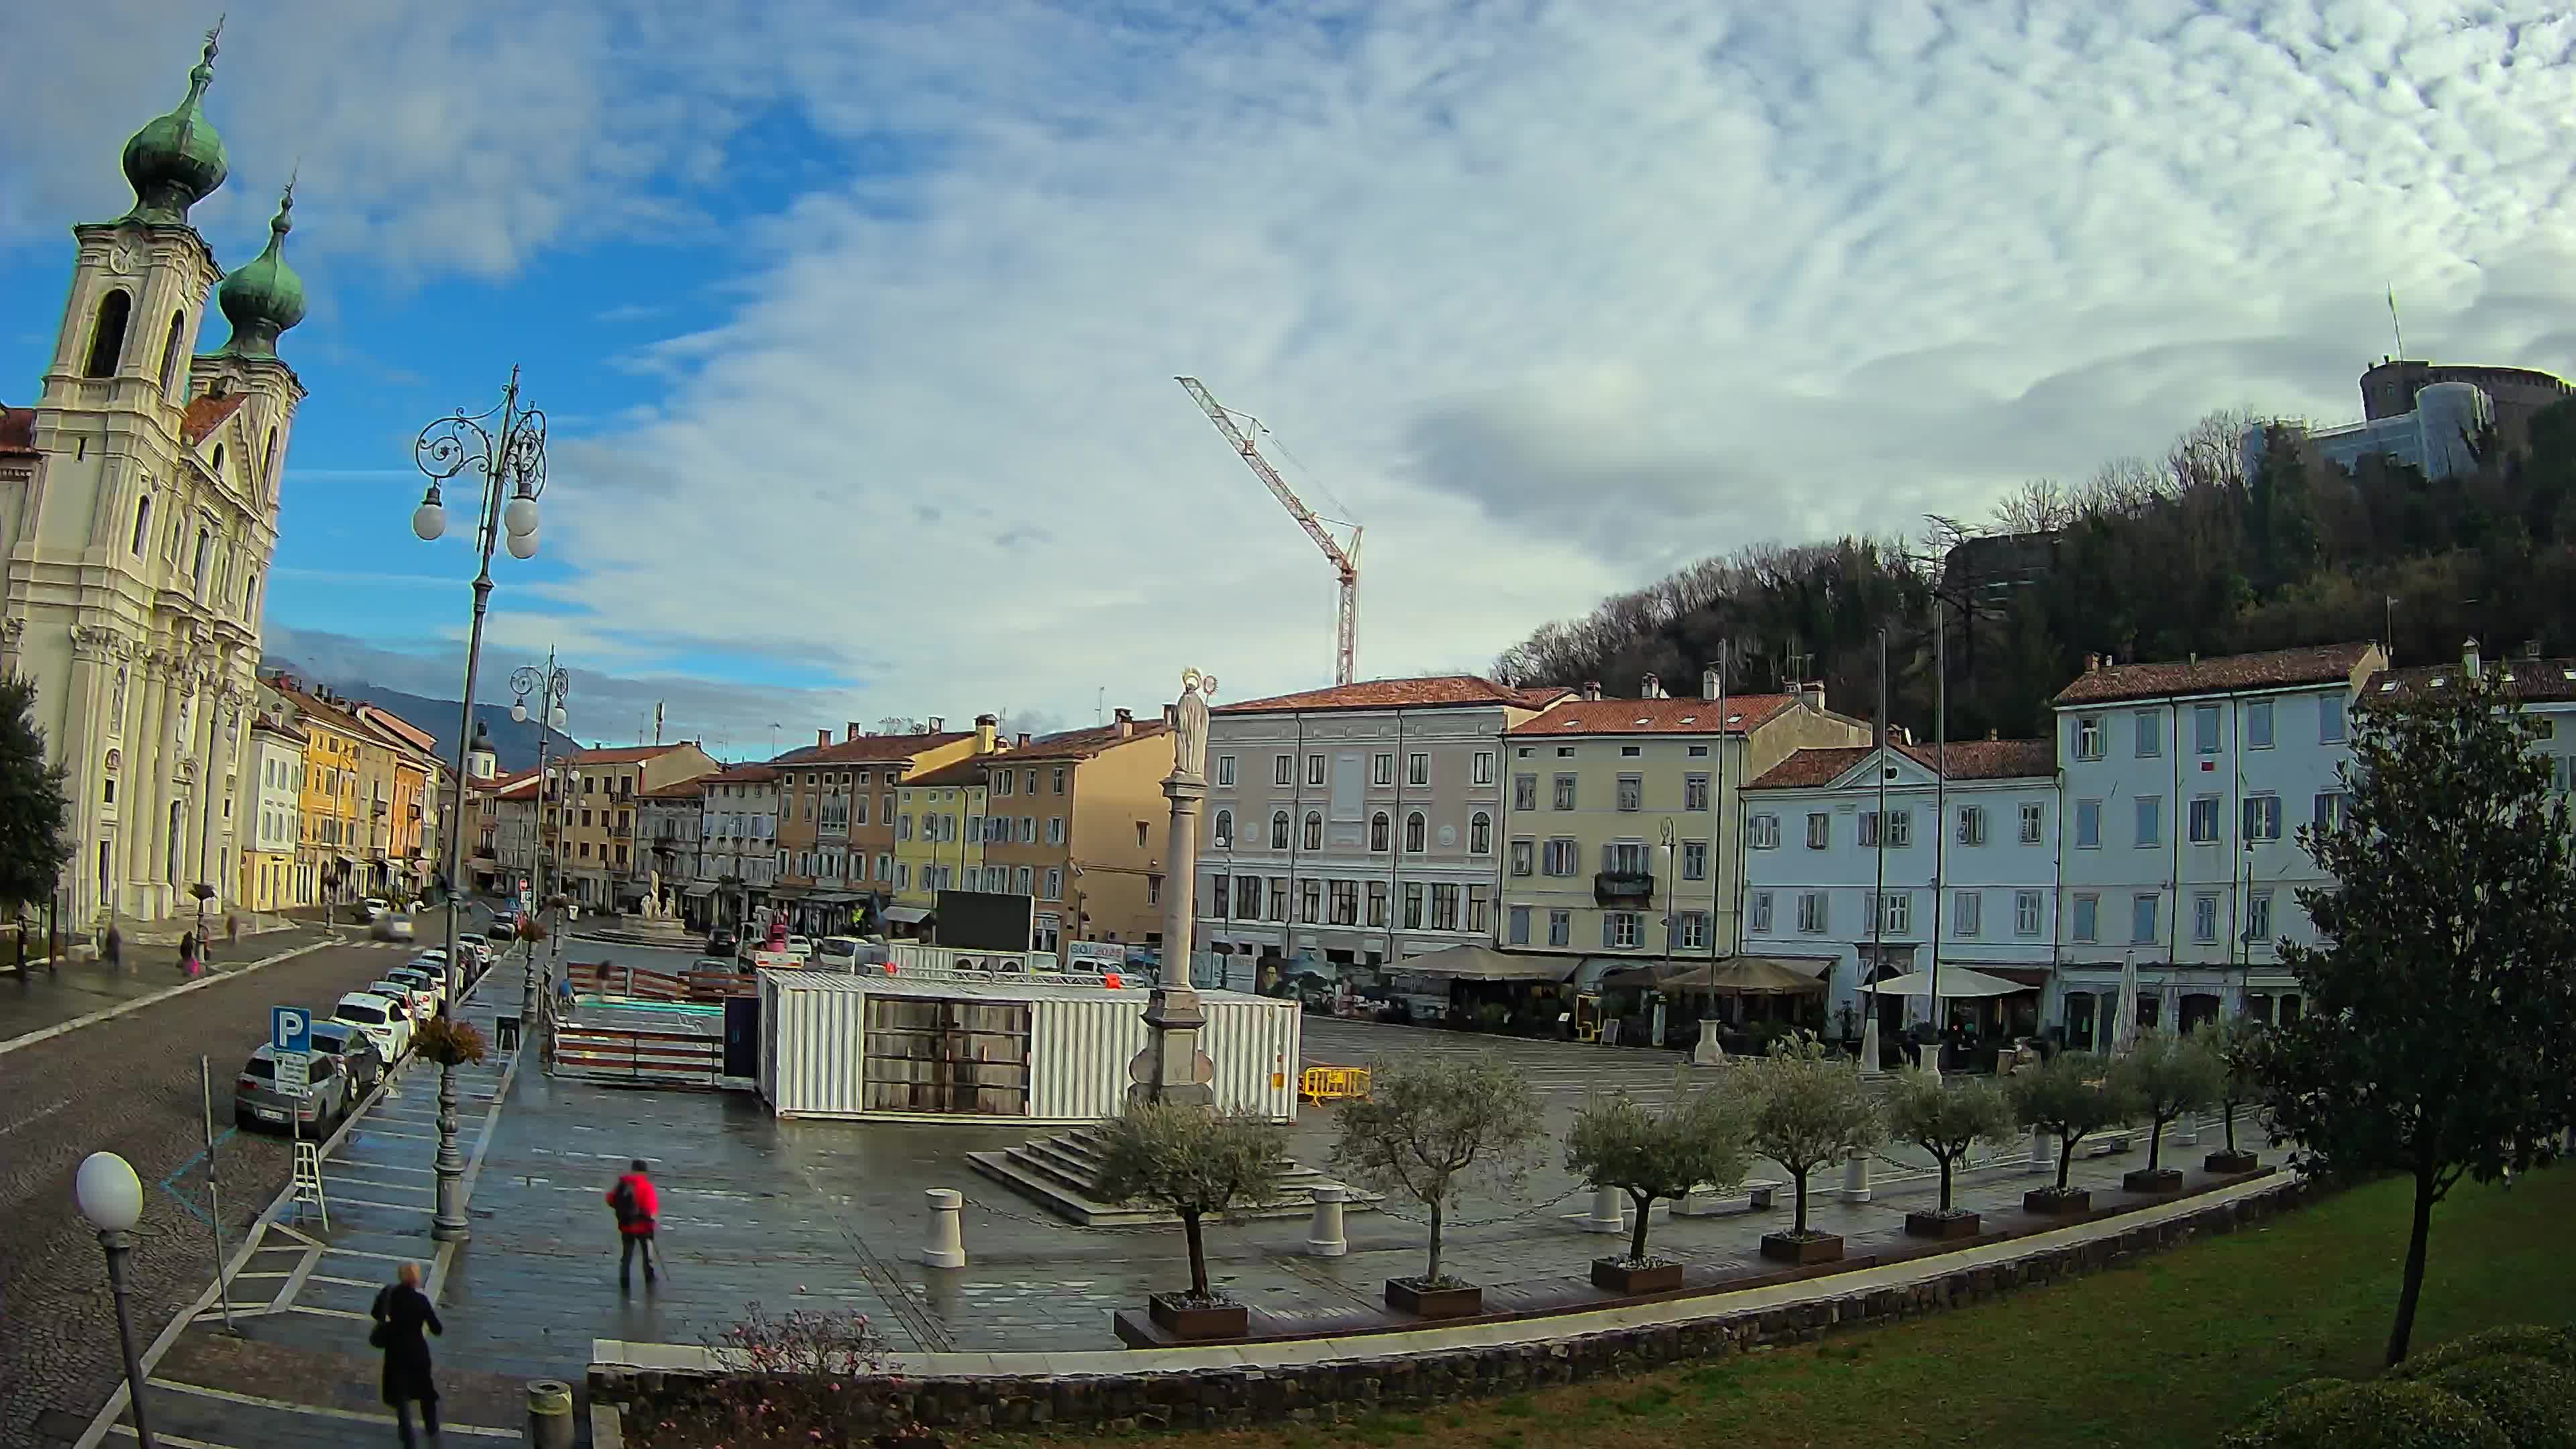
{"points": [[1172, 1068], [1188, 717]]}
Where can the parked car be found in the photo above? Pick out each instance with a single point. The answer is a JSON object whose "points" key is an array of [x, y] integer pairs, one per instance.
{"points": [[374, 906], [800, 947], [721, 942], [357, 1053], [382, 1019], [425, 988], [404, 998], [836, 953], [504, 927], [256, 1099], [386, 926]]}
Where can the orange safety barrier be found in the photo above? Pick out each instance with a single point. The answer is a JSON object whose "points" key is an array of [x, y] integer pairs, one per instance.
{"points": [[1329, 1084]]}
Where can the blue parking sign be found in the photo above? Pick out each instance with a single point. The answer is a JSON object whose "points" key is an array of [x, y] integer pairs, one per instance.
{"points": [[290, 1029]]}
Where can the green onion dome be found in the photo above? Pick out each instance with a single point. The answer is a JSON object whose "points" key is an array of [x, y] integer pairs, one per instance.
{"points": [[177, 160], [264, 297]]}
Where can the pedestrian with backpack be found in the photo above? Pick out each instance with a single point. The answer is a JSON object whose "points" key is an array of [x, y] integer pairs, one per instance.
{"points": [[636, 1204]]}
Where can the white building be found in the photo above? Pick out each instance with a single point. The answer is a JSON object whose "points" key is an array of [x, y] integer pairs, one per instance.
{"points": [[1961, 870], [738, 843], [269, 808], [138, 516], [1309, 844], [2184, 786]]}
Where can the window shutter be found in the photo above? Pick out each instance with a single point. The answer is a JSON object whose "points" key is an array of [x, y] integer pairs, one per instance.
{"points": [[1607, 938]]}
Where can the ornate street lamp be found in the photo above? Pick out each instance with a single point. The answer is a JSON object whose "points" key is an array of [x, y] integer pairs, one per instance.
{"points": [[505, 449], [111, 1197], [551, 685]]}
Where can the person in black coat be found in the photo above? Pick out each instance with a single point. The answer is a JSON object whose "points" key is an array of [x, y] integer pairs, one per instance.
{"points": [[401, 1310]]}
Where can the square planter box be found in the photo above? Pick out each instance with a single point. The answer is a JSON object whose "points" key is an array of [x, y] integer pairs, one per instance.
{"points": [[1611, 1275], [1184, 1319], [2152, 1180], [1785, 1248], [2049, 1202], [1941, 1225], [1407, 1295], [2230, 1162]]}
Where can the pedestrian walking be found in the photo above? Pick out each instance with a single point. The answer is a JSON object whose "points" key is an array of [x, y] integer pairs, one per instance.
{"points": [[188, 954], [401, 1311], [232, 928], [114, 946], [636, 1204]]}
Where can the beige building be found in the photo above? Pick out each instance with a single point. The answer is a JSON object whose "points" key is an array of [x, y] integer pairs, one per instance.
{"points": [[606, 864], [138, 516], [1362, 823], [837, 805], [1623, 821]]}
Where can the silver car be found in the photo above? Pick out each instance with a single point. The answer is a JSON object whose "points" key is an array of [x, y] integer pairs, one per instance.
{"points": [[257, 1101]]}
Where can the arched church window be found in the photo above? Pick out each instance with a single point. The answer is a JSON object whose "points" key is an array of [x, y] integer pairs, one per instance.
{"points": [[205, 547], [171, 352], [268, 463], [107, 338], [219, 460], [142, 522]]}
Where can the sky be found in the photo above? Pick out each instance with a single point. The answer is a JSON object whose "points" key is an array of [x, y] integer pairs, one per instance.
{"points": [[855, 325]]}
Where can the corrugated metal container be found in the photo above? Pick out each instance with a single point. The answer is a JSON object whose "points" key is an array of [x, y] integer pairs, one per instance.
{"points": [[997, 1051]]}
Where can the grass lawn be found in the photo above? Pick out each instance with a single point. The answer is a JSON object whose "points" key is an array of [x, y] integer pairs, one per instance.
{"points": [[2163, 1353]]}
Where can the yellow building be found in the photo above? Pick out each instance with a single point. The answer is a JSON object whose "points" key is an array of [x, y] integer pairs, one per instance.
{"points": [[332, 836], [939, 829], [1621, 815], [837, 808]]}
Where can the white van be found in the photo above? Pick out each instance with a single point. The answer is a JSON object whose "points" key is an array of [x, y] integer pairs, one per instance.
{"points": [[837, 953]]}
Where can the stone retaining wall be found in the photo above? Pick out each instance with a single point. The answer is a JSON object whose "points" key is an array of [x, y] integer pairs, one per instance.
{"points": [[1332, 1391]]}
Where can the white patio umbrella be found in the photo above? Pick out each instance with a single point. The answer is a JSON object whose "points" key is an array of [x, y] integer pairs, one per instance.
{"points": [[1957, 983]]}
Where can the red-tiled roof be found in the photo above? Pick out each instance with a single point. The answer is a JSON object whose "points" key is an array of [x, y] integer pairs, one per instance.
{"points": [[312, 704], [503, 784], [1439, 691], [17, 430], [680, 790], [205, 414], [741, 775], [627, 754], [1056, 749], [1968, 760], [1656, 716], [2530, 680], [2275, 669], [868, 749]]}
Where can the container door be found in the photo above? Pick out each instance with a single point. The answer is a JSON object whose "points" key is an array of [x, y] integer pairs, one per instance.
{"points": [[742, 1036]]}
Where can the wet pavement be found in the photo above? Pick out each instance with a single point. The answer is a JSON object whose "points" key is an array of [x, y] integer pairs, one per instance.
{"points": [[50, 995]]}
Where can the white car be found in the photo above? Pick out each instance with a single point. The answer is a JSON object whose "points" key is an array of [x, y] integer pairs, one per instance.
{"points": [[837, 953], [425, 988], [374, 906], [381, 1019], [800, 947]]}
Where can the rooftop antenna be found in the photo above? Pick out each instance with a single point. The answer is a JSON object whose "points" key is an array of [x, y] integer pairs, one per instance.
{"points": [[2393, 324], [1100, 705]]}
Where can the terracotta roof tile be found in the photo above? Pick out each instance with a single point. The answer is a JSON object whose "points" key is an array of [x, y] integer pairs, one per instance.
{"points": [[17, 430], [1968, 760], [205, 414], [869, 749], [1655, 716], [2275, 669], [678, 790], [1438, 691], [1085, 743], [626, 754], [2530, 680], [742, 775]]}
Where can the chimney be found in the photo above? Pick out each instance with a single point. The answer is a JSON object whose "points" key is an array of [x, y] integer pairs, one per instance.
{"points": [[853, 730], [1711, 684], [1814, 694], [1592, 689], [1023, 741], [2530, 648], [986, 726], [1650, 687], [822, 737], [938, 724], [2469, 658], [1126, 723], [2092, 663]]}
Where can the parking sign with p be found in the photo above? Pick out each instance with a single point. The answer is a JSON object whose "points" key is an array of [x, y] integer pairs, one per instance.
{"points": [[290, 1042]]}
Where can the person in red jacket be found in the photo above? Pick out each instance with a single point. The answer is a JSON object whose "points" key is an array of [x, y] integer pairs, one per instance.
{"points": [[636, 1205]]}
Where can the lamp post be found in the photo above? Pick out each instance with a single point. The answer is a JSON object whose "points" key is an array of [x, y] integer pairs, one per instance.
{"points": [[505, 448], [111, 1197], [551, 686]]}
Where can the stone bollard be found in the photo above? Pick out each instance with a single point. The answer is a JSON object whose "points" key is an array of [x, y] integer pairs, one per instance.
{"points": [[1324, 1237], [2043, 1153], [550, 1413], [1856, 1178], [946, 1245], [1609, 1211], [2187, 1130]]}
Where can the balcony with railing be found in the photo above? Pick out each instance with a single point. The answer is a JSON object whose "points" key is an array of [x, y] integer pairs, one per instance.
{"points": [[1623, 888]]}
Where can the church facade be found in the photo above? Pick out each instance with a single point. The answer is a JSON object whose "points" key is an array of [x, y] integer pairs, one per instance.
{"points": [[138, 518]]}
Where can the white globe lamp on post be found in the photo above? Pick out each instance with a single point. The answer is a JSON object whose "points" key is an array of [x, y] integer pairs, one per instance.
{"points": [[111, 1198]]}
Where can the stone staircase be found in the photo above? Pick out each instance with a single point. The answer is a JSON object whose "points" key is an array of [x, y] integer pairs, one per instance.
{"points": [[1061, 1174]]}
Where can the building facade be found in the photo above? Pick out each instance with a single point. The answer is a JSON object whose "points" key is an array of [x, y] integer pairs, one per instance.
{"points": [[327, 855], [838, 802], [270, 809], [605, 865], [670, 818], [1621, 822], [2426, 415], [1358, 824], [1862, 864], [1077, 822], [2184, 785], [138, 517], [738, 835]]}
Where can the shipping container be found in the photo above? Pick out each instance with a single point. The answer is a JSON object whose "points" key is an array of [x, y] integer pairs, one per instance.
{"points": [[834, 1045]]}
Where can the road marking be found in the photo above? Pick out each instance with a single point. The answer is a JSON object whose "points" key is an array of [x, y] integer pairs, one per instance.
{"points": [[328, 1313], [140, 1002], [324, 1411], [173, 1440], [393, 1207], [32, 1118]]}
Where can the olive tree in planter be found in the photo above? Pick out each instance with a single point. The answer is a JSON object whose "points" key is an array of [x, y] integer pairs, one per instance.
{"points": [[2234, 1043], [1618, 1143], [1196, 1163], [2164, 1077], [1804, 1109], [2071, 1096], [1426, 1129], [1947, 1121]]}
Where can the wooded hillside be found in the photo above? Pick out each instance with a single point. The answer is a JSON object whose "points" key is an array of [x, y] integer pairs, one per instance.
{"points": [[2150, 559]]}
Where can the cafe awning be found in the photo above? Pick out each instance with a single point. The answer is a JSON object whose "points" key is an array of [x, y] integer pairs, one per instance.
{"points": [[1957, 983], [1484, 963], [699, 888]]}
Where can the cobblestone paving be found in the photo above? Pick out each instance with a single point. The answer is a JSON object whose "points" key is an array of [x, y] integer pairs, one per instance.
{"points": [[44, 996], [130, 1086]]}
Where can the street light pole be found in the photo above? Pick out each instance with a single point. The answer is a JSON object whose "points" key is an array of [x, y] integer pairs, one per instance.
{"points": [[509, 456], [111, 1197], [551, 686]]}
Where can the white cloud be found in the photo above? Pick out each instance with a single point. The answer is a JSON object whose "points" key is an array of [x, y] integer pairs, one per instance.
{"points": [[1551, 296]]}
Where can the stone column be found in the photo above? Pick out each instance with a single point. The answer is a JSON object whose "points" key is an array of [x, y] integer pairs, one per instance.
{"points": [[1609, 1212], [141, 796], [1856, 1177], [1324, 1237], [1172, 1067], [87, 728], [945, 1244]]}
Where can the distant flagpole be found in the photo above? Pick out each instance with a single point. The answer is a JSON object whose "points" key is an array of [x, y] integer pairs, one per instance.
{"points": [[2394, 325]]}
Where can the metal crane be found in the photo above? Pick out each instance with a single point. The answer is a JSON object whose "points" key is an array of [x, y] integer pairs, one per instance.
{"points": [[1346, 561]]}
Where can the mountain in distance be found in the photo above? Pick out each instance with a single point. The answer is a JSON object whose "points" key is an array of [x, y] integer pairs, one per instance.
{"points": [[514, 743]]}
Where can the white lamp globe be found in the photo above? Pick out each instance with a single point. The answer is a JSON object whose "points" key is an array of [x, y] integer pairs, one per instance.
{"points": [[109, 1193], [519, 712], [522, 545], [557, 718], [429, 520], [520, 516]]}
